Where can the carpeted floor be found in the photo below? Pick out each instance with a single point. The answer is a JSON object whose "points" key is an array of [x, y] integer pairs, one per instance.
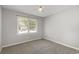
{"points": [[41, 46]]}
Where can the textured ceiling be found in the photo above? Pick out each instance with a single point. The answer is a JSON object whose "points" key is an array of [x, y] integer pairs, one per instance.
{"points": [[33, 9]]}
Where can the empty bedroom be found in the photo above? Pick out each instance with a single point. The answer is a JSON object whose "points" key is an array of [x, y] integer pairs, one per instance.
{"points": [[39, 29]]}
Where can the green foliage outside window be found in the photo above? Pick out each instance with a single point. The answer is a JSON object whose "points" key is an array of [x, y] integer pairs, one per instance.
{"points": [[26, 24], [32, 25]]}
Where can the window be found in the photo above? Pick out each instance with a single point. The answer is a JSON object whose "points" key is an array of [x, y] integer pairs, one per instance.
{"points": [[26, 25]]}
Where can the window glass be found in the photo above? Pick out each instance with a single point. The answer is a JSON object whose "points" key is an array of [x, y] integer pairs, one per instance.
{"points": [[26, 25]]}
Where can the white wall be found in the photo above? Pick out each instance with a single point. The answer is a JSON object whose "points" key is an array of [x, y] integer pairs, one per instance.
{"points": [[0, 27], [63, 28], [10, 36]]}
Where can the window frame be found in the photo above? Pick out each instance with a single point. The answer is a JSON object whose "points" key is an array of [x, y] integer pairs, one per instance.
{"points": [[29, 18]]}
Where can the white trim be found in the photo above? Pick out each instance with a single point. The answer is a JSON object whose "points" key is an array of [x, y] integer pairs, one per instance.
{"points": [[38, 39], [61, 43], [20, 42]]}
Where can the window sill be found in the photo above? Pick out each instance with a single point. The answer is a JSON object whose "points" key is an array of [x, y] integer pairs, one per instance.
{"points": [[27, 32]]}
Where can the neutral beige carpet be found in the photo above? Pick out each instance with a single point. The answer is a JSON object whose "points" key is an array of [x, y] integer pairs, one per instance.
{"points": [[41, 46]]}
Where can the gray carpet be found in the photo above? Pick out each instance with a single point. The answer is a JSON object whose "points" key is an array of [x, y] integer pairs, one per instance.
{"points": [[41, 46]]}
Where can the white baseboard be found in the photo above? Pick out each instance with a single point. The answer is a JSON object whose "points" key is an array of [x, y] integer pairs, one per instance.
{"points": [[61, 43], [37, 39], [20, 42]]}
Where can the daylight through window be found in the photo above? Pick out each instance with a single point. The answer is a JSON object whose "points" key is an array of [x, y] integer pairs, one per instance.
{"points": [[26, 25]]}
